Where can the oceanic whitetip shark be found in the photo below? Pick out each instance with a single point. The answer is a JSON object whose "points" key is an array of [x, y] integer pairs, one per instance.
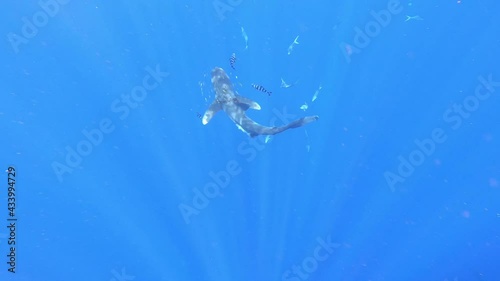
{"points": [[227, 99]]}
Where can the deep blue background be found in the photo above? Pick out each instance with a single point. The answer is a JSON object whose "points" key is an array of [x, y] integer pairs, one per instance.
{"points": [[119, 208]]}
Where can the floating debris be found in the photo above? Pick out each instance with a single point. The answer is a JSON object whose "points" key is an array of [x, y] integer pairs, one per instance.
{"points": [[201, 84]]}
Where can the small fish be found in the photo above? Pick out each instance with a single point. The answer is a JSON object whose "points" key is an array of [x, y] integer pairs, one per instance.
{"points": [[285, 85], [262, 89], [304, 106], [268, 138], [198, 115], [295, 42], [315, 96], [232, 60], [417, 17], [245, 37]]}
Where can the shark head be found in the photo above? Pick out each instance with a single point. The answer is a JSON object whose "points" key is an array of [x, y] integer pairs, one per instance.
{"points": [[224, 90], [227, 99]]}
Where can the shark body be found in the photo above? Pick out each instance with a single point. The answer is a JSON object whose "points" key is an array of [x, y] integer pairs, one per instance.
{"points": [[235, 106]]}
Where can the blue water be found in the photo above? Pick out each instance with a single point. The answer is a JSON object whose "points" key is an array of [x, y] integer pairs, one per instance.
{"points": [[118, 180]]}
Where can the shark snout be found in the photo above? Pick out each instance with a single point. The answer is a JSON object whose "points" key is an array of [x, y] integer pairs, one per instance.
{"points": [[218, 71]]}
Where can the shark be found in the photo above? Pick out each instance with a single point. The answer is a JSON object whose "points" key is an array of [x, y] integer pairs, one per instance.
{"points": [[235, 106]]}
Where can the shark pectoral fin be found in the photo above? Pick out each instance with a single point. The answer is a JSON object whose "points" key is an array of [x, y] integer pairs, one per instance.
{"points": [[247, 103], [255, 106], [214, 107]]}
